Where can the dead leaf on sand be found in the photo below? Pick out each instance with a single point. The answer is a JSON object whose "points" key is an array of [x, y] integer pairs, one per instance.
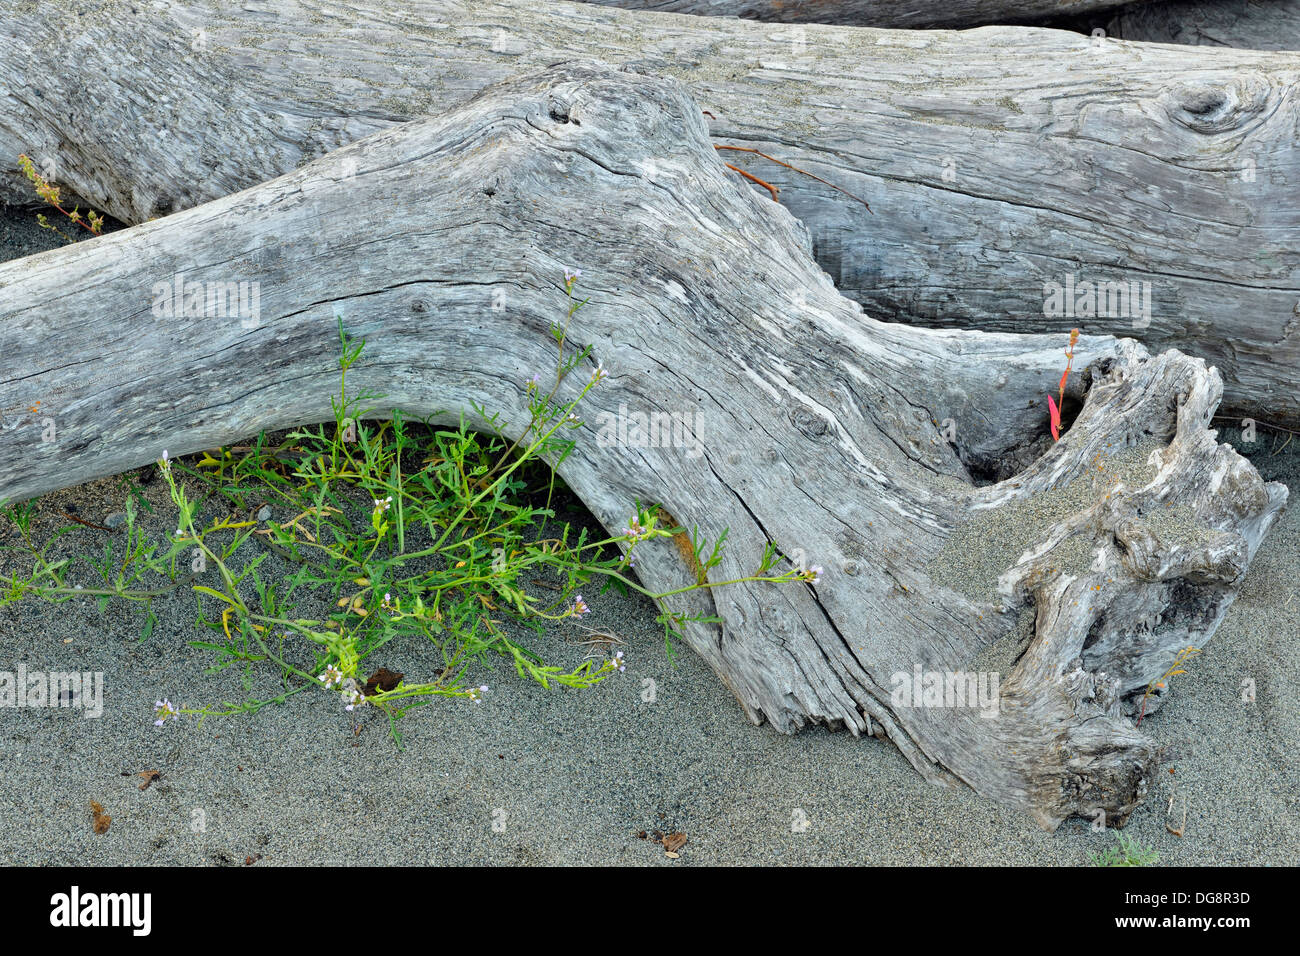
{"points": [[149, 777], [102, 819], [382, 681], [674, 842]]}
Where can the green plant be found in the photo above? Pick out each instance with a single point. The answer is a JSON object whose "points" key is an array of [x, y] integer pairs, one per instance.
{"points": [[387, 545], [1183, 656], [1126, 852], [92, 221]]}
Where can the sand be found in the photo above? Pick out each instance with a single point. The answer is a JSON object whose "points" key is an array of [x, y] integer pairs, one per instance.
{"points": [[559, 776]]}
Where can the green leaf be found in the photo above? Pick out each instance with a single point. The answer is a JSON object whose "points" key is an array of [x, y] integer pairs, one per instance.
{"points": [[215, 594]]}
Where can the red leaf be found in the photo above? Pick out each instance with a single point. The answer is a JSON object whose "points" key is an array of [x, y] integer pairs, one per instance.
{"points": [[1056, 418]]}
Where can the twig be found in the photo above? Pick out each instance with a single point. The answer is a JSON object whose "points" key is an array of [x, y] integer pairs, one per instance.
{"points": [[280, 452], [1234, 418], [750, 176], [602, 637], [88, 524], [748, 149], [1183, 826]]}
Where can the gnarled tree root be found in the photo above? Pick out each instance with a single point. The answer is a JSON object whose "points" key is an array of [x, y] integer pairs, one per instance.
{"points": [[841, 439]]}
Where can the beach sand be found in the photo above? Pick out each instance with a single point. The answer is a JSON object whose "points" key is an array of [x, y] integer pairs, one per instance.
{"points": [[536, 776]]}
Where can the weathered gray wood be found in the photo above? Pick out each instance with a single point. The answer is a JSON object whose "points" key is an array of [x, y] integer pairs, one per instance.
{"points": [[838, 437], [1250, 24], [995, 160], [875, 13]]}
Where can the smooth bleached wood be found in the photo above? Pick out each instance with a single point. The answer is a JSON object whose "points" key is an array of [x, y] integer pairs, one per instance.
{"points": [[996, 161], [1063, 590]]}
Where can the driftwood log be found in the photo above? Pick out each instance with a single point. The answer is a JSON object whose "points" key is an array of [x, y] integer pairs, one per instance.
{"points": [[1000, 164], [1251, 24], [841, 439], [875, 13]]}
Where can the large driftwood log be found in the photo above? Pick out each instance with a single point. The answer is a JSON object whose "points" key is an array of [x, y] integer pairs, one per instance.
{"points": [[875, 13], [818, 428], [1252, 24], [996, 161]]}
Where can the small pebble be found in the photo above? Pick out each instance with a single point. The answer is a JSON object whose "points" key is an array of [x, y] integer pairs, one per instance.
{"points": [[115, 519], [264, 514]]}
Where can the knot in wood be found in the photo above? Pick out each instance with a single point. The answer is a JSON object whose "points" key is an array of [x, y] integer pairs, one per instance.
{"points": [[809, 422], [560, 111], [1217, 107]]}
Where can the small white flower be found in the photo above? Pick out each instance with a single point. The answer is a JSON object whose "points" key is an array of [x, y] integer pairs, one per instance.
{"points": [[352, 695], [164, 709]]}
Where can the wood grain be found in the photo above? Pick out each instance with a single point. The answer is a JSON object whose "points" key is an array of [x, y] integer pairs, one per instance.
{"points": [[996, 160], [845, 441]]}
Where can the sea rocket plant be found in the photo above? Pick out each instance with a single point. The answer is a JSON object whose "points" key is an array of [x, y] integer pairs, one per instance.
{"points": [[469, 579], [164, 709]]}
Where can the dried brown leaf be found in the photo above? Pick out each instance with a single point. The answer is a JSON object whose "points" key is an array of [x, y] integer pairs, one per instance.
{"points": [[381, 681]]}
